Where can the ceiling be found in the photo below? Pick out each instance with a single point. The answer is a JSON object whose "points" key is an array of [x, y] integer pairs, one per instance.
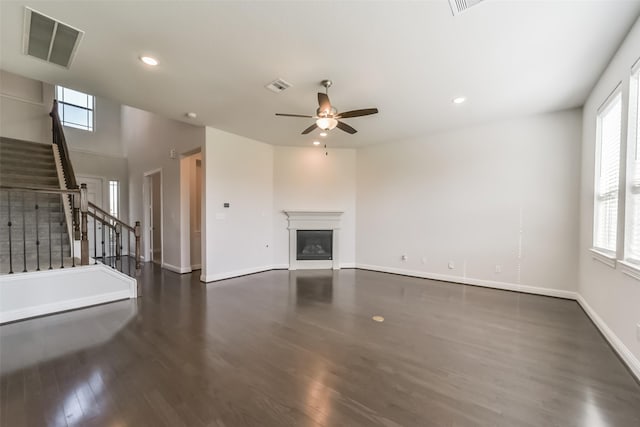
{"points": [[409, 59]]}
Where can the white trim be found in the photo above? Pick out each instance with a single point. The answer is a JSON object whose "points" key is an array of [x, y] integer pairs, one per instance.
{"points": [[175, 268], [15, 98], [348, 265], [558, 293], [630, 269], [606, 259], [196, 267], [147, 198], [623, 351], [231, 274]]}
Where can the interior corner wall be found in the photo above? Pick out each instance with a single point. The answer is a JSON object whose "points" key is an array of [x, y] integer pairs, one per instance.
{"points": [[24, 114], [307, 179], [494, 205], [238, 239], [149, 138], [613, 296]]}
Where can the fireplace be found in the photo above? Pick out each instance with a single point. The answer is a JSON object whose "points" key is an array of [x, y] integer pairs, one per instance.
{"points": [[314, 239], [314, 245]]}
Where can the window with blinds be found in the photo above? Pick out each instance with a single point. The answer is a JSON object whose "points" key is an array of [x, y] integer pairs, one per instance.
{"points": [[632, 238], [607, 174]]}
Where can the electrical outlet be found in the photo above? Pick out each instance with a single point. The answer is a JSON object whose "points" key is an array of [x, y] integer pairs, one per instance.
{"points": [[498, 269], [452, 265], [404, 257]]}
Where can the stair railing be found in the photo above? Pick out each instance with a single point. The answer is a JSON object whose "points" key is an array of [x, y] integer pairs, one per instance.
{"points": [[40, 204], [113, 240], [61, 142]]}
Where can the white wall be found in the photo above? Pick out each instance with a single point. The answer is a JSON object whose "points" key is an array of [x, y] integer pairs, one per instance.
{"points": [[502, 194], [307, 179], [24, 108], [612, 295], [148, 139], [24, 114], [238, 171]]}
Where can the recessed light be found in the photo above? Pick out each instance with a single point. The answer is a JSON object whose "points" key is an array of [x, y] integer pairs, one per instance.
{"points": [[149, 60], [191, 115], [459, 100], [378, 318], [323, 134], [316, 142]]}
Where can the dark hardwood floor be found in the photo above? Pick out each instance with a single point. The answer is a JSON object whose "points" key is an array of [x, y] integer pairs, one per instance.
{"points": [[300, 349]]}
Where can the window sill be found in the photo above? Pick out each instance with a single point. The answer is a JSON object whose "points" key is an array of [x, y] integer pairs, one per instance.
{"points": [[630, 269], [603, 257]]}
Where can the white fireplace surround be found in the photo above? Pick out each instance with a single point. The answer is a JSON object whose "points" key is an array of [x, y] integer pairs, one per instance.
{"points": [[314, 220]]}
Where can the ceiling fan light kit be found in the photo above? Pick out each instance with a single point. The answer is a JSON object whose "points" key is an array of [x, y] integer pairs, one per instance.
{"points": [[327, 116]]}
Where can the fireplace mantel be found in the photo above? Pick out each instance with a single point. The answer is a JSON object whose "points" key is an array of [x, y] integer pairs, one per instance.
{"points": [[314, 220]]}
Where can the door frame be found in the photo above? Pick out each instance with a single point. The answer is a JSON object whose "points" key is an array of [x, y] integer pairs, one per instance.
{"points": [[146, 204]]}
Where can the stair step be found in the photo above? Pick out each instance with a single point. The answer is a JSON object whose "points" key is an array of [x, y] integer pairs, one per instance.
{"points": [[21, 142], [38, 171], [25, 146]]}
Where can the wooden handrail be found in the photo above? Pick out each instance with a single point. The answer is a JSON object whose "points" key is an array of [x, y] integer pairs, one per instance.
{"points": [[111, 217], [61, 142], [35, 189]]}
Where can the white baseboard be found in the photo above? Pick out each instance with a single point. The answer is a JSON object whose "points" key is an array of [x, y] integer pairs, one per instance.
{"points": [[176, 269], [348, 265], [237, 273], [623, 351], [196, 267], [558, 293]]}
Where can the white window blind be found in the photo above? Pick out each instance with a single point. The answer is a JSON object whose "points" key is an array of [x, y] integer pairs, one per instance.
{"points": [[632, 238], [607, 174]]}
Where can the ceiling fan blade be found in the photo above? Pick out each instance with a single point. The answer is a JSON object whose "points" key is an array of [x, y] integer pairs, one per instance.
{"points": [[345, 127], [323, 102], [357, 113], [294, 115], [309, 129]]}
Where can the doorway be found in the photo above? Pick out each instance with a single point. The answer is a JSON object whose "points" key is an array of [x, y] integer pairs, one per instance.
{"points": [[152, 196], [191, 210]]}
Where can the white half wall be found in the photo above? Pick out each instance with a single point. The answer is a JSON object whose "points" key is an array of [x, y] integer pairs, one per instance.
{"points": [[238, 239], [612, 296], [495, 204], [305, 179], [27, 295]]}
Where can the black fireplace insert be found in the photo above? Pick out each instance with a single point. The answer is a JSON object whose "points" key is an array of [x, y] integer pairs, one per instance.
{"points": [[314, 245]]}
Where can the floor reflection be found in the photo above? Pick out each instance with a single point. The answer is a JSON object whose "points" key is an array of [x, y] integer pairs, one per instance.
{"points": [[314, 287], [34, 341]]}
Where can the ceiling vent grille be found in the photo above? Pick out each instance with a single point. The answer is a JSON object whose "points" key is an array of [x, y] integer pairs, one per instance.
{"points": [[278, 85], [459, 6], [48, 39]]}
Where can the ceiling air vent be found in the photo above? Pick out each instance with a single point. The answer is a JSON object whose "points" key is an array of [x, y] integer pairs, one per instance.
{"points": [[459, 6], [278, 85], [48, 39]]}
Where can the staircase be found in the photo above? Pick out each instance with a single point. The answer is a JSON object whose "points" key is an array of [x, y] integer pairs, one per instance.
{"points": [[38, 230]]}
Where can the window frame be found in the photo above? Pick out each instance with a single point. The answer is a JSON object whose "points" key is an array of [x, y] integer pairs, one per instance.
{"points": [[614, 96], [91, 127], [632, 186]]}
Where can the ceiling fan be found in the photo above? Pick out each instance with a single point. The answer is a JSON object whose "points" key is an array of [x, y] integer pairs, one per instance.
{"points": [[327, 116]]}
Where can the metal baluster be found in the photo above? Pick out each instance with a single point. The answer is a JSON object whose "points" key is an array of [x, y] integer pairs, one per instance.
{"points": [[37, 236], [24, 235], [128, 252], [61, 233], [9, 224], [49, 224], [73, 240], [104, 260], [95, 241]]}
